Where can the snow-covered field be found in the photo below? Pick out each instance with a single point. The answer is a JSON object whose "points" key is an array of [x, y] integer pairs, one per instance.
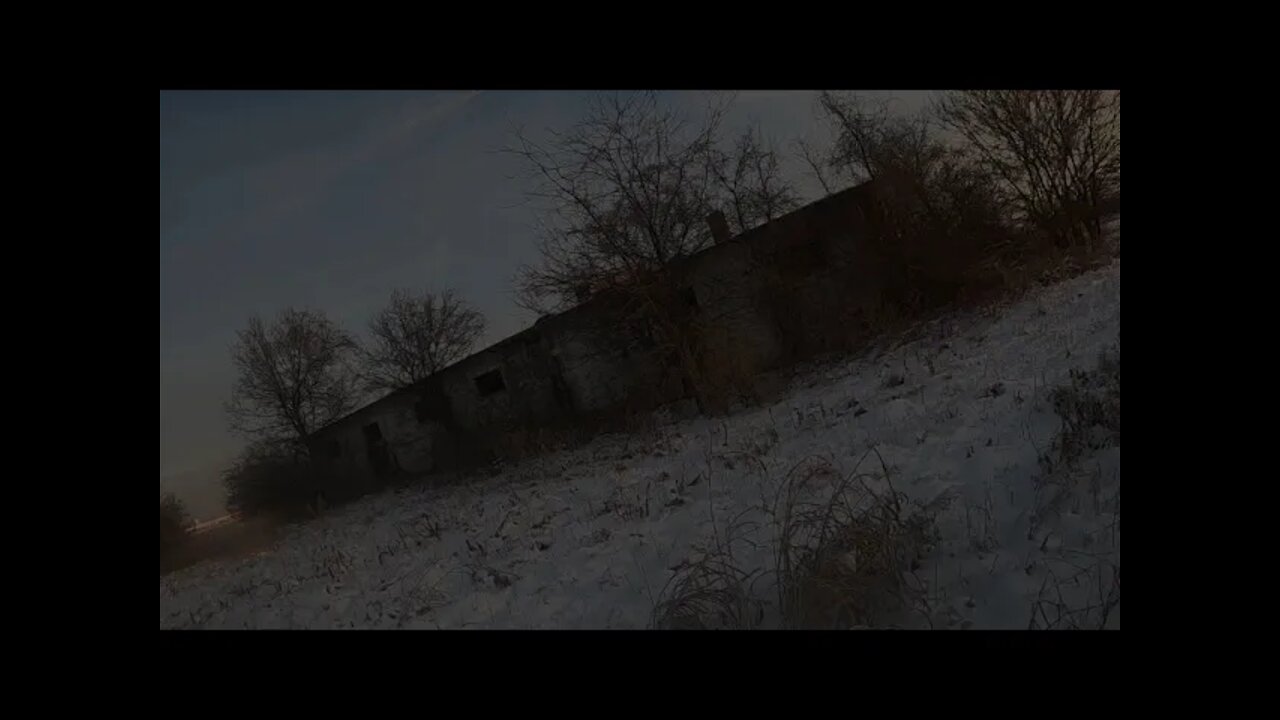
{"points": [[587, 538]]}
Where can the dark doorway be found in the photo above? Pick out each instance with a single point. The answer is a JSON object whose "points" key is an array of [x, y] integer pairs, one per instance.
{"points": [[490, 383], [379, 457], [690, 298]]}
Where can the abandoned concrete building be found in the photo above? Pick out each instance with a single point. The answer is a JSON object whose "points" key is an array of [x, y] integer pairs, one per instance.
{"points": [[799, 284]]}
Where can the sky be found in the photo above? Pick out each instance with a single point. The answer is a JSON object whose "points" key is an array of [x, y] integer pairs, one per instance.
{"points": [[331, 200]]}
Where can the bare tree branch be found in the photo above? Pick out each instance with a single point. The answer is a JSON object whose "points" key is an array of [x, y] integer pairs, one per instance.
{"points": [[1056, 152], [750, 182], [812, 157], [294, 377], [628, 189], [415, 336], [941, 217]]}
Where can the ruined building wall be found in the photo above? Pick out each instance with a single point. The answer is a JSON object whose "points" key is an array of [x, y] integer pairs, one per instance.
{"points": [[604, 359], [804, 283], [379, 441]]}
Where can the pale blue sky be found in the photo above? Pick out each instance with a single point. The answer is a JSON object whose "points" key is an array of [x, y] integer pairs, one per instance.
{"points": [[331, 200]]}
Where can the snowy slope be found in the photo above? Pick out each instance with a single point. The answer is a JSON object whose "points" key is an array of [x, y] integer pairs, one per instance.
{"points": [[588, 537]]}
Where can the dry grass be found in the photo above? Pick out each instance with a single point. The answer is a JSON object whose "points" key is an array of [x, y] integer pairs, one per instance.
{"points": [[841, 563], [840, 559], [1100, 580], [1081, 589], [712, 591], [1089, 406]]}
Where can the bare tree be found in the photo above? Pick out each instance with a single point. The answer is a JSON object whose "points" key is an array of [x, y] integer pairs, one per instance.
{"points": [[623, 191], [750, 182], [295, 376], [1056, 152], [629, 188], [938, 187], [813, 157], [869, 140], [941, 217], [417, 335]]}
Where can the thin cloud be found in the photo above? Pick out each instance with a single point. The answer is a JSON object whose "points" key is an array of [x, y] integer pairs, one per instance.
{"points": [[295, 183]]}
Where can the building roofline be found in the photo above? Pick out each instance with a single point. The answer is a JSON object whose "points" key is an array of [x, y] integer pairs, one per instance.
{"points": [[592, 302]]}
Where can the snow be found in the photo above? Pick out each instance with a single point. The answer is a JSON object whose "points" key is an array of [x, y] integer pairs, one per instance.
{"points": [[588, 537]]}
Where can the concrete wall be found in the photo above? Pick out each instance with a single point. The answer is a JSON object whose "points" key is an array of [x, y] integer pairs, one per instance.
{"points": [[413, 444], [448, 420], [532, 392], [602, 366], [804, 283]]}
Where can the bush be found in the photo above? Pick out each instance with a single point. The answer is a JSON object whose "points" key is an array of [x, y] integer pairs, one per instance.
{"points": [[270, 479], [1055, 153], [966, 217], [173, 525]]}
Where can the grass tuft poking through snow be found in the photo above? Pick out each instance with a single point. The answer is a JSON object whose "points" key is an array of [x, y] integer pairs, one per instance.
{"points": [[842, 562], [1090, 408]]}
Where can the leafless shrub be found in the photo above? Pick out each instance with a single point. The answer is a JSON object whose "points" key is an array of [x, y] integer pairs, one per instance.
{"points": [[843, 555], [1055, 153], [750, 181], [938, 230], [971, 216]]}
